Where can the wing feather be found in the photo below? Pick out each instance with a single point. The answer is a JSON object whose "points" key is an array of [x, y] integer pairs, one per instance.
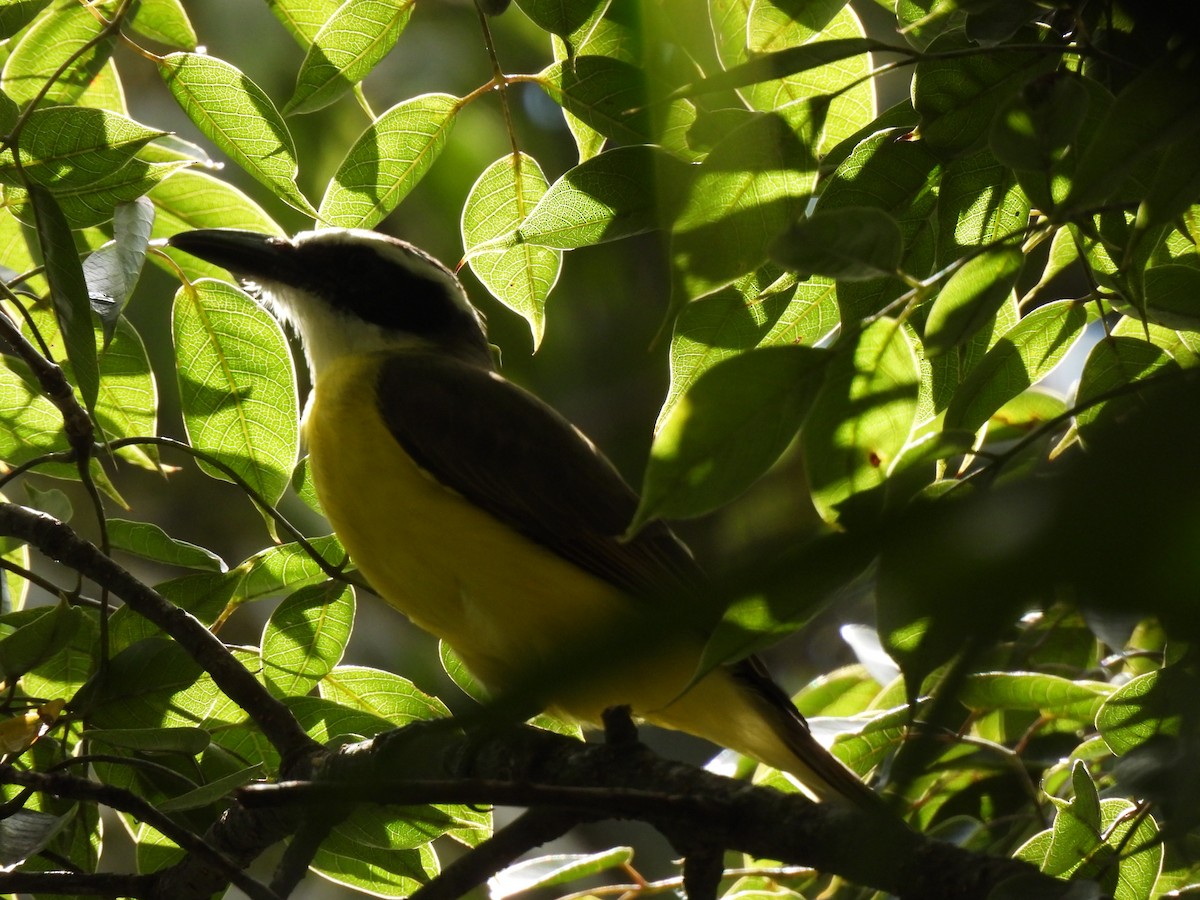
{"points": [[515, 457]]}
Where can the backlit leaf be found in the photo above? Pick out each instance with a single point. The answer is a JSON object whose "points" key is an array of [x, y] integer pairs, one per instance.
{"points": [[861, 420], [349, 44], [387, 161], [519, 275], [237, 386], [237, 116]]}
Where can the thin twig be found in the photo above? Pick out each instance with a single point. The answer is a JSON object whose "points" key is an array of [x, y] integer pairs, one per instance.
{"points": [[502, 849], [99, 884], [337, 573], [60, 542], [60, 784]]}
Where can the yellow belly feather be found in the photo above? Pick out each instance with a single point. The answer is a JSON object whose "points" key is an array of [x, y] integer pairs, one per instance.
{"points": [[507, 605]]}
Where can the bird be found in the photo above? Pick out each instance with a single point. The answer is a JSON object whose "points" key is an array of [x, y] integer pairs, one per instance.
{"points": [[485, 516]]}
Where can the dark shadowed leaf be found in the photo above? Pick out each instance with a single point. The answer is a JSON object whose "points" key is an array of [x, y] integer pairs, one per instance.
{"points": [[851, 243]]}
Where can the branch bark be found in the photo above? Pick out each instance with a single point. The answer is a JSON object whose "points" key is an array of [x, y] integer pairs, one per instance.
{"points": [[695, 808], [60, 542]]}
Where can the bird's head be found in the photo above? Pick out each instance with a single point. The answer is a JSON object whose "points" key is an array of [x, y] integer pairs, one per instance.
{"points": [[350, 291]]}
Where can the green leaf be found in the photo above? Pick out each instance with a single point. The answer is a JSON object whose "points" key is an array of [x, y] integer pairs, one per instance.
{"points": [[762, 309], [237, 385], [237, 116], [888, 171], [605, 93], [731, 425], [1156, 109], [957, 96], [1024, 355], [69, 146], [1034, 129], [875, 741], [861, 420], [1173, 188], [14, 588], [559, 17], [95, 203], [979, 203], [39, 634], [61, 32], [458, 672], [388, 160], [348, 46], [30, 425], [781, 63], [1027, 411], [375, 841], [520, 275], [306, 637], [112, 272], [202, 594], [165, 21], [285, 567], [1115, 363], [126, 402], [1127, 864], [52, 502], [826, 102], [186, 740], [147, 540], [211, 792], [383, 694], [16, 14], [9, 113], [127, 405], [1085, 806], [63, 673], [1150, 705], [303, 18], [303, 485], [151, 684], [559, 868], [849, 243], [1034, 691], [1172, 296], [68, 292], [1180, 345], [744, 195], [379, 872], [105, 91], [608, 197], [971, 298]]}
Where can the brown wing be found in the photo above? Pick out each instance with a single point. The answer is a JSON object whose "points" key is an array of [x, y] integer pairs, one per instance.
{"points": [[512, 455]]}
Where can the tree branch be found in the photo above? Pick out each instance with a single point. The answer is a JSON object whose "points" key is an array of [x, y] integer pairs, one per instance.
{"points": [[61, 543], [697, 809], [61, 784]]}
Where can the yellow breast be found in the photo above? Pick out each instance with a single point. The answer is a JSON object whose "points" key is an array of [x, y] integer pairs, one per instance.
{"points": [[502, 601]]}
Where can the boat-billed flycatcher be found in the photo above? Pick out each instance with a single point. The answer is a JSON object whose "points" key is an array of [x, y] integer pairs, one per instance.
{"points": [[480, 512]]}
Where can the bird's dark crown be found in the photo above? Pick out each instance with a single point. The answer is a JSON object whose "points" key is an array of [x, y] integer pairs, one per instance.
{"points": [[379, 280]]}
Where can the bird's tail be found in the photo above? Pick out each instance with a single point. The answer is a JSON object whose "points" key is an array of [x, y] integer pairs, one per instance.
{"points": [[740, 707]]}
